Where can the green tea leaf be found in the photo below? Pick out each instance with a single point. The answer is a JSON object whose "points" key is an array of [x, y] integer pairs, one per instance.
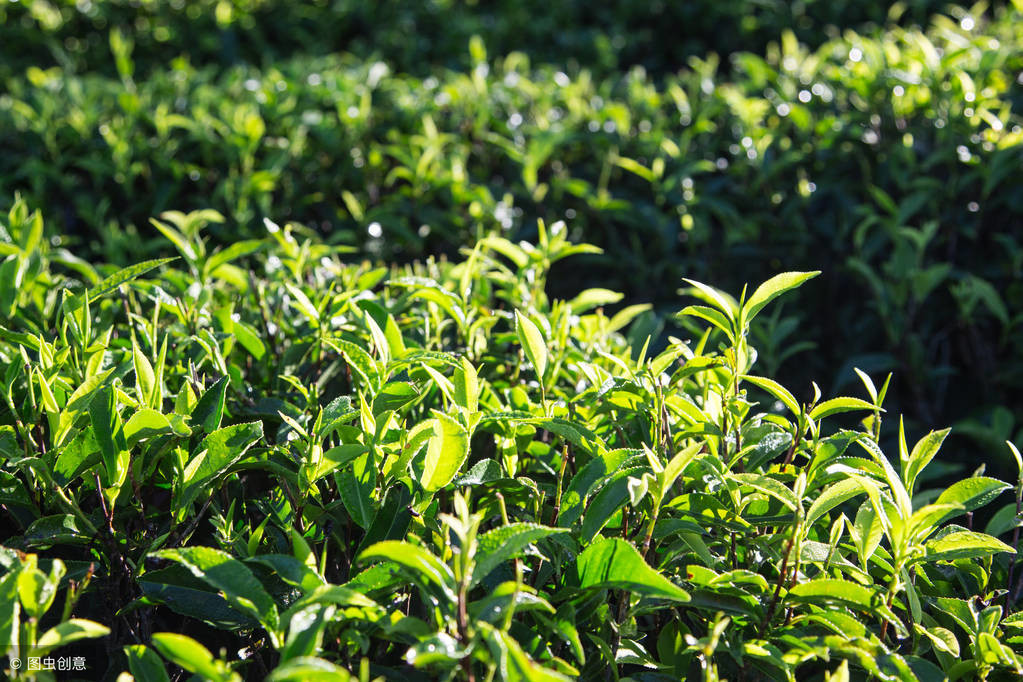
{"points": [[611, 497], [504, 543], [209, 411], [214, 456], [777, 390], [394, 396], [10, 608], [106, 425], [592, 298], [830, 590], [392, 517], [48, 400], [770, 290], [69, 631], [941, 638], [466, 387], [230, 253], [309, 669], [423, 566], [837, 405], [964, 545], [447, 449], [305, 631], [612, 563], [232, 578], [147, 423], [833, 496], [357, 487], [923, 452], [190, 655], [304, 305], [717, 298], [145, 664], [972, 493], [360, 361], [78, 405], [336, 413], [596, 470], [145, 378], [250, 340], [712, 315], [532, 343], [517, 663], [117, 279], [177, 588], [769, 486]]}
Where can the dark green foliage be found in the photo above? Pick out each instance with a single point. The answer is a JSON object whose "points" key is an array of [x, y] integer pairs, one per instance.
{"points": [[414, 37]]}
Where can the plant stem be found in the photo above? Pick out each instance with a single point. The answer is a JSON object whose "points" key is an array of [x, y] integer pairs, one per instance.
{"points": [[650, 531], [463, 629], [781, 580], [790, 455], [561, 479], [1010, 596]]}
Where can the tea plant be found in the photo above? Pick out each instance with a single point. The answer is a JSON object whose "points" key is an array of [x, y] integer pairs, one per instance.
{"points": [[885, 156], [262, 461]]}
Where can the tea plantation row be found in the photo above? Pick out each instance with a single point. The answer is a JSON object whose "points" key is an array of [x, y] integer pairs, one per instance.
{"points": [[268, 461], [888, 159], [416, 37]]}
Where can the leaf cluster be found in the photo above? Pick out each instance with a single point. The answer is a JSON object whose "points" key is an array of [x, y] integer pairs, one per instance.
{"points": [[265, 461], [885, 157]]}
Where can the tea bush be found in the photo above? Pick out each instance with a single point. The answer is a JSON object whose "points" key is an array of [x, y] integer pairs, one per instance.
{"points": [[888, 159], [414, 37], [267, 461]]}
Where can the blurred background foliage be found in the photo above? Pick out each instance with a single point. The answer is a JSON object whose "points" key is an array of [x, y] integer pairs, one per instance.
{"points": [[419, 37], [721, 141]]}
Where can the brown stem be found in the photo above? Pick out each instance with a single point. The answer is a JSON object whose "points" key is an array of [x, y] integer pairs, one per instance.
{"points": [[884, 625], [790, 455], [616, 637], [103, 505], [777, 588], [195, 522]]}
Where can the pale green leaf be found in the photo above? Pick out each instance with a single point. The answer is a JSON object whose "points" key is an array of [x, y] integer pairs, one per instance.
{"points": [[69, 631], [923, 452], [532, 343], [771, 289], [445, 453], [421, 564], [833, 496], [972, 493], [964, 544], [843, 404], [775, 389]]}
